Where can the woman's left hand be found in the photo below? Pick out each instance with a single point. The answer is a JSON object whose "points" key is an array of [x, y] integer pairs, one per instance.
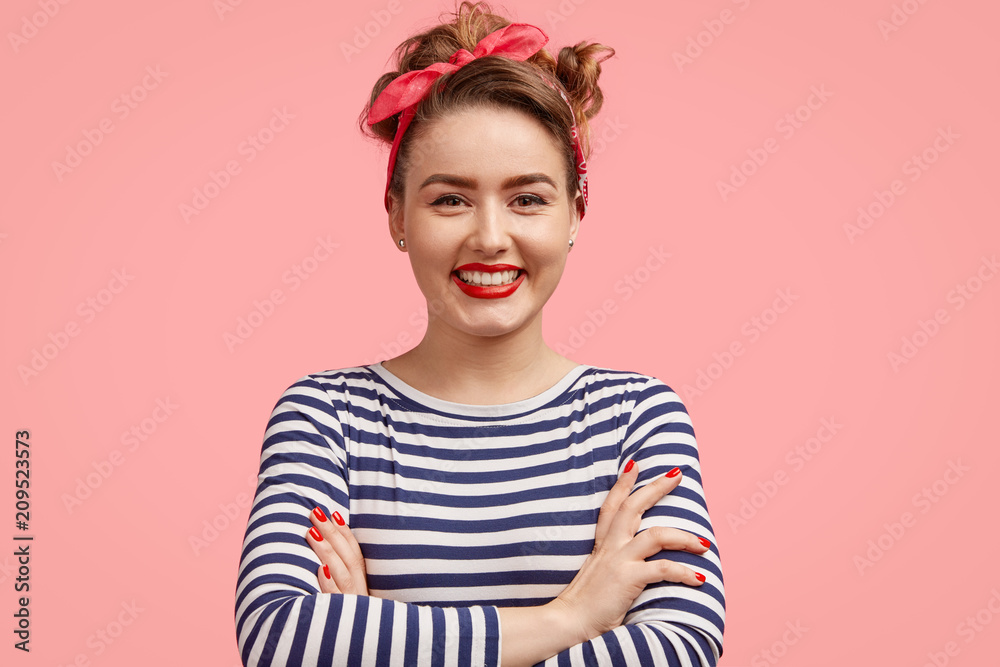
{"points": [[343, 565]]}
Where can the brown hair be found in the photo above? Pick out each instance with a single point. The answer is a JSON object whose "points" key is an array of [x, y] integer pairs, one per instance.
{"points": [[494, 82]]}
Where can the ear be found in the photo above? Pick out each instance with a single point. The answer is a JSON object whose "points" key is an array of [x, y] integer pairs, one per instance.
{"points": [[395, 216], [575, 211]]}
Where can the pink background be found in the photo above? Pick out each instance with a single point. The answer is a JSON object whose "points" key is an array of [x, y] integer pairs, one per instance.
{"points": [[669, 133]]}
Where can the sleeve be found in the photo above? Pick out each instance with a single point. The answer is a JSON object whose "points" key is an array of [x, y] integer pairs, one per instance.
{"points": [[281, 616], [669, 623]]}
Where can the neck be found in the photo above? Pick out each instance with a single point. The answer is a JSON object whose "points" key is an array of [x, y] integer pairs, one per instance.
{"points": [[465, 368]]}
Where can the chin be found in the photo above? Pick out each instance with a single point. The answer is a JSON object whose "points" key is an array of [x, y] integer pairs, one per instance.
{"points": [[491, 327], [489, 330]]}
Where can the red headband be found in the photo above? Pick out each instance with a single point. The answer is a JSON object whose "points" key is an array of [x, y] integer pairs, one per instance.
{"points": [[517, 41]]}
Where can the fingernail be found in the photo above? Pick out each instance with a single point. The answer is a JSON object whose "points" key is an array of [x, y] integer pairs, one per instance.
{"points": [[699, 576], [319, 514], [326, 571], [315, 534], [629, 465], [339, 519], [705, 542], [674, 472]]}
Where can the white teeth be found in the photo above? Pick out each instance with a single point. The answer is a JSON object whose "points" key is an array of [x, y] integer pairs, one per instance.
{"points": [[484, 278]]}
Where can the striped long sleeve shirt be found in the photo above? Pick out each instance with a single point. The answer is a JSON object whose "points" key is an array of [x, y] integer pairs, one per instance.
{"points": [[459, 510]]}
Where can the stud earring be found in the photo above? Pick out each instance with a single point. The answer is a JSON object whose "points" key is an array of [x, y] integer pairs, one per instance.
{"points": [[571, 244], [402, 243]]}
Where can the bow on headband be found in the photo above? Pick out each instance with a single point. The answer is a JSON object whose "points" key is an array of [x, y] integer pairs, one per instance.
{"points": [[517, 41]]}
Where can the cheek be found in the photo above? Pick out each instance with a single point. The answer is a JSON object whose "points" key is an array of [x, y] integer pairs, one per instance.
{"points": [[430, 261], [551, 250], [556, 267], [550, 268]]}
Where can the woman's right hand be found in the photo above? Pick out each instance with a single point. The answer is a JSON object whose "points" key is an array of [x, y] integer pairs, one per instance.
{"points": [[616, 572]]}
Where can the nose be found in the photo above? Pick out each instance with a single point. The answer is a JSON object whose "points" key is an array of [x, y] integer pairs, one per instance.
{"points": [[490, 233]]}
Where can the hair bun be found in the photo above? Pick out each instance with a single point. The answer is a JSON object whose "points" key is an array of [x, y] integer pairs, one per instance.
{"points": [[578, 68]]}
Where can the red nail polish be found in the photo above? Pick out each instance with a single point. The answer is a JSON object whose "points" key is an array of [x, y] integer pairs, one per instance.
{"points": [[705, 542], [315, 533], [326, 571], [629, 465], [339, 519], [319, 514], [699, 576], [674, 472]]}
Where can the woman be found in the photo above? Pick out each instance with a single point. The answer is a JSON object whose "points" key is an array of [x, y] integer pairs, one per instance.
{"points": [[481, 499]]}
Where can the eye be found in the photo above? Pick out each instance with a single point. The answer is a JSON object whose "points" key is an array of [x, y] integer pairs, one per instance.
{"points": [[446, 198], [531, 199]]}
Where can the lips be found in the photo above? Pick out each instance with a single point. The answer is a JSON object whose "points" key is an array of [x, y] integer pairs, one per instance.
{"points": [[486, 279], [488, 268], [488, 274], [488, 291]]}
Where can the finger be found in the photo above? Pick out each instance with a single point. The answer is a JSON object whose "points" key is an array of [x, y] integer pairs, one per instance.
{"points": [[662, 569], [340, 537], [630, 513], [332, 567], [343, 541], [326, 582], [616, 496], [656, 539]]}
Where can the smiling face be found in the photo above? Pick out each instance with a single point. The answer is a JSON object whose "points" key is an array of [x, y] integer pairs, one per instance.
{"points": [[488, 189]]}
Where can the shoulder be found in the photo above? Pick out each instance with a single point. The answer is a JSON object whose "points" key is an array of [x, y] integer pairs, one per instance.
{"points": [[334, 387], [630, 385]]}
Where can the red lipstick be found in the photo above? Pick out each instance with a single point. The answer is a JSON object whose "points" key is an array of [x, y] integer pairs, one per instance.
{"points": [[491, 291], [488, 268]]}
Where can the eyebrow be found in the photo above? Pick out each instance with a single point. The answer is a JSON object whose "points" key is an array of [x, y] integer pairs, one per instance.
{"points": [[472, 184]]}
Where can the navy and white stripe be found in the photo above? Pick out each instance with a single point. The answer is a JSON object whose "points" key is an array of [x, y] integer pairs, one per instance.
{"points": [[461, 509]]}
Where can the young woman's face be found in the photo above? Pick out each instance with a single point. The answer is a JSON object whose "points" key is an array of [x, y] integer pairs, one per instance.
{"points": [[488, 188]]}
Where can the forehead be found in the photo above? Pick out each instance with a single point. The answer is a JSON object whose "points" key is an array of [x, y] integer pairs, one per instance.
{"points": [[489, 142]]}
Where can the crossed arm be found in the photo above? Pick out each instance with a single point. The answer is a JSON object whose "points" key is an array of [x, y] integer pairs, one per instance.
{"points": [[596, 600], [620, 608]]}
